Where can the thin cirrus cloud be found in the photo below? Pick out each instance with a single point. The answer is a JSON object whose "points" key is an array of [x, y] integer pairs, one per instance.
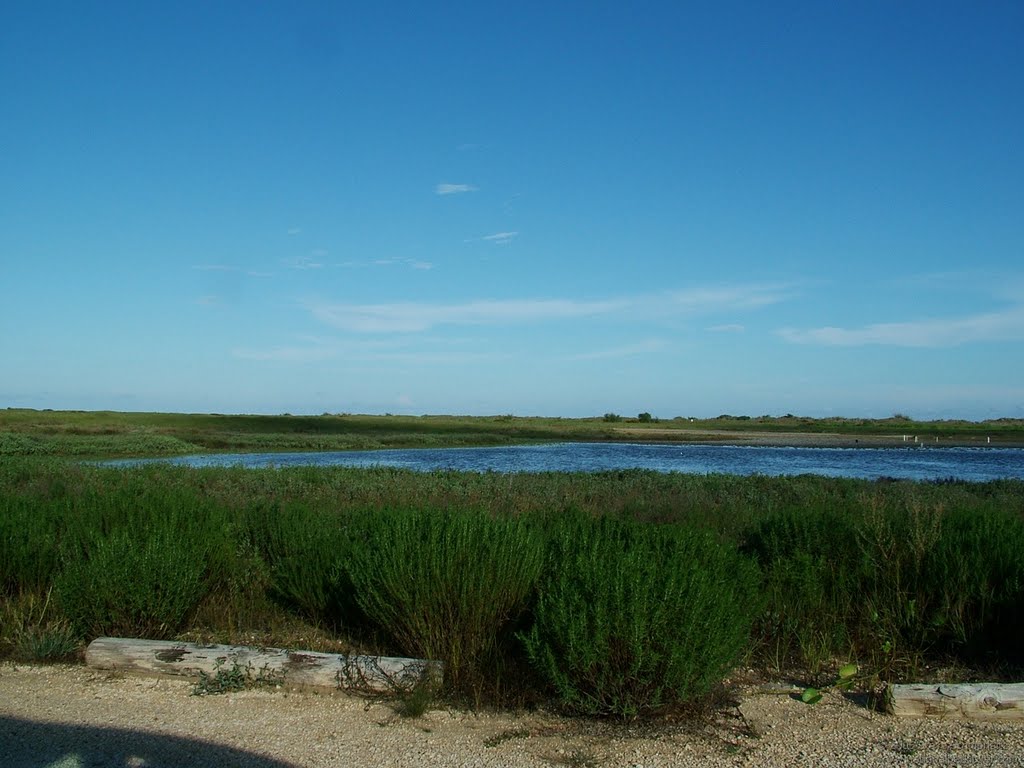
{"points": [[413, 317], [742, 296], [410, 263], [1005, 325], [628, 350], [728, 328], [313, 351], [453, 189], [500, 238], [226, 268], [312, 261]]}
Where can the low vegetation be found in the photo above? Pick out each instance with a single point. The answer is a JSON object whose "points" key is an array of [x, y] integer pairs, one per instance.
{"points": [[618, 594], [86, 434]]}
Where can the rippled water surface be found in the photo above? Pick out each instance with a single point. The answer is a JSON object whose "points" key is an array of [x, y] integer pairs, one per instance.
{"points": [[976, 464]]}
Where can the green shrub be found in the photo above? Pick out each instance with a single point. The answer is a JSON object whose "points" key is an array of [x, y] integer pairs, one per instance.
{"points": [[28, 545], [633, 618], [976, 571], [813, 573], [443, 584], [893, 583], [306, 551], [125, 587], [55, 641]]}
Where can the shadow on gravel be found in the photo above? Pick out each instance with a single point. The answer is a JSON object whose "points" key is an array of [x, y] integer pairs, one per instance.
{"points": [[31, 744]]}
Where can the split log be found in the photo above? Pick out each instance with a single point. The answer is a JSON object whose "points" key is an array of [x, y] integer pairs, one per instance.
{"points": [[980, 701], [356, 674]]}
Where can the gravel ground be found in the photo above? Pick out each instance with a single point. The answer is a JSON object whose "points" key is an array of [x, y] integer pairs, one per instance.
{"points": [[72, 716]]}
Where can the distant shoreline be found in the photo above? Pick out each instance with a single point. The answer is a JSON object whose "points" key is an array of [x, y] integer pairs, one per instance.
{"points": [[811, 439]]}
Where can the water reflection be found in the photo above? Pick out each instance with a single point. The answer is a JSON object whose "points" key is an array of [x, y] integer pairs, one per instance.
{"points": [[974, 464]]}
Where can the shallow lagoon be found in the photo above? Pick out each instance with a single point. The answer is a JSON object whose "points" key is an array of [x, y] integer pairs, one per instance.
{"points": [[973, 464]]}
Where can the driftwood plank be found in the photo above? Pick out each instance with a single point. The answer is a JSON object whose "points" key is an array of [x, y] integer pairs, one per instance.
{"points": [[978, 701], [293, 668]]}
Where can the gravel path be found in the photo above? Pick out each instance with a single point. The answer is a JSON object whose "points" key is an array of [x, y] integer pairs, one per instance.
{"points": [[73, 716]]}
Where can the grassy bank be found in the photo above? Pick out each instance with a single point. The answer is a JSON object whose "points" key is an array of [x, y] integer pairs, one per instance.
{"points": [[792, 573], [25, 432]]}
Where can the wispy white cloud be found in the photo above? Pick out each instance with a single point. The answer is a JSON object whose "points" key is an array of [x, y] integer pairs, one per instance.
{"points": [[738, 296], [500, 238], [629, 350], [208, 301], [414, 317], [454, 189], [306, 262], [410, 317], [411, 263], [293, 231], [226, 268], [727, 328], [1004, 325], [286, 354], [214, 268], [400, 351]]}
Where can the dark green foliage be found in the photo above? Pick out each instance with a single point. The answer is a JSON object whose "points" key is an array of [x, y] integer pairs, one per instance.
{"points": [[634, 618], [443, 584], [129, 588], [894, 575], [977, 569], [50, 642], [812, 575], [306, 551], [892, 581], [28, 555]]}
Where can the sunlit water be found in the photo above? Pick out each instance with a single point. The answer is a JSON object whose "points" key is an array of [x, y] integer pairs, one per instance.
{"points": [[974, 464]]}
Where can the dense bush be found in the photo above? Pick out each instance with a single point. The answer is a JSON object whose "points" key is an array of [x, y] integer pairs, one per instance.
{"points": [[443, 584], [633, 618], [28, 548], [306, 551], [900, 577], [128, 588], [813, 572], [895, 581], [976, 567]]}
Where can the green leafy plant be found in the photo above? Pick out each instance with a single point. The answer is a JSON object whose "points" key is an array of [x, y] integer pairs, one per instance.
{"points": [[633, 618], [845, 680], [235, 678]]}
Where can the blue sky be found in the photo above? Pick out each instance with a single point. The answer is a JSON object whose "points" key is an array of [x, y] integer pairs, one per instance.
{"points": [[540, 209]]}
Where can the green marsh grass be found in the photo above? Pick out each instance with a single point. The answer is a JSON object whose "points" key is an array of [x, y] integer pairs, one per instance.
{"points": [[26, 432], [897, 576]]}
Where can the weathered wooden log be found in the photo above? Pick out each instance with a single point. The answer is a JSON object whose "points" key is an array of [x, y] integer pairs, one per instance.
{"points": [[292, 668], [979, 701]]}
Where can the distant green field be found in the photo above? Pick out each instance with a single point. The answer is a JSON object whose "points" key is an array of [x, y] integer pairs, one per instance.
{"points": [[108, 433]]}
